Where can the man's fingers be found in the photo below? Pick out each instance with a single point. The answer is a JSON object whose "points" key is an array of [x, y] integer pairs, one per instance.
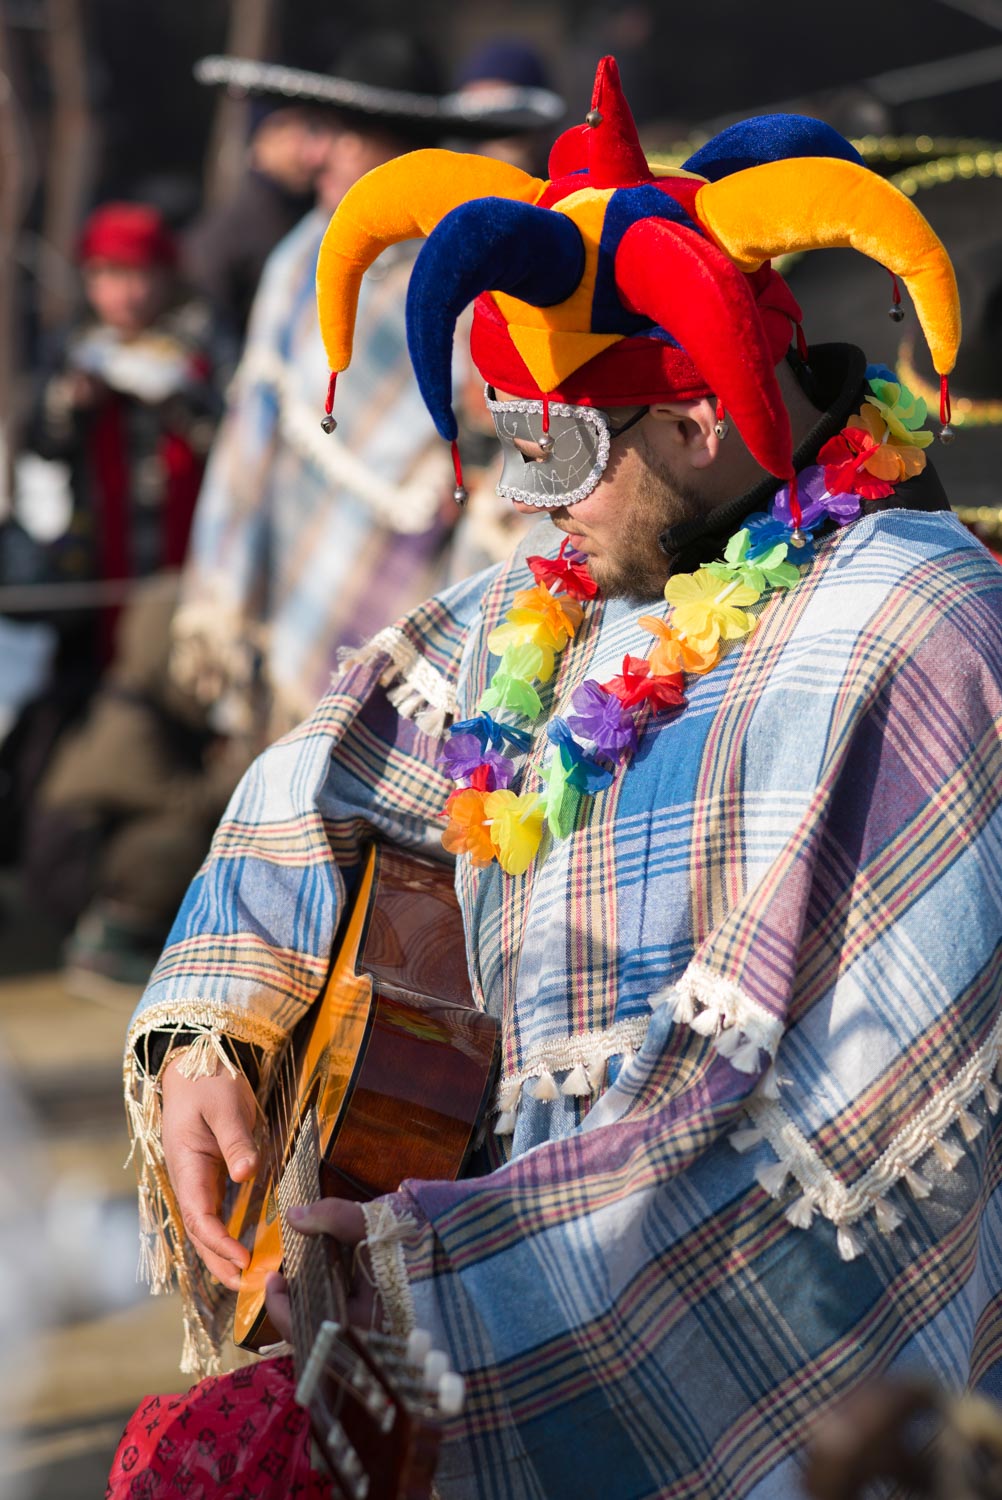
{"points": [[197, 1188], [334, 1216], [223, 1270], [276, 1297]]}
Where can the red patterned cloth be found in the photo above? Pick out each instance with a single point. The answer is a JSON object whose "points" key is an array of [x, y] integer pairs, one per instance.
{"points": [[232, 1437]]}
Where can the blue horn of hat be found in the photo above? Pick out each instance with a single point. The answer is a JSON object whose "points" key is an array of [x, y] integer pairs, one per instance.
{"points": [[487, 245], [751, 143]]}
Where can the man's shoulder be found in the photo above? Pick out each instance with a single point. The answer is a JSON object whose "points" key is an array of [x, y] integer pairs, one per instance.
{"points": [[902, 548], [904, 574]]}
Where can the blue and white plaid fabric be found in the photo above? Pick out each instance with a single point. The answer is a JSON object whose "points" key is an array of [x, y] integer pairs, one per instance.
{"points": [[774, 948]]}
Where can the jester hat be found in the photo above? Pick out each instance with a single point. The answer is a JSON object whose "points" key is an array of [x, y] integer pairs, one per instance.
{"points": [[618, 283]]}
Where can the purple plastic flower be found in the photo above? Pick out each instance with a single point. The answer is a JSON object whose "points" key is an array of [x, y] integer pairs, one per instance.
{"points": [[463, 753], [815, 502], [602, 719]]}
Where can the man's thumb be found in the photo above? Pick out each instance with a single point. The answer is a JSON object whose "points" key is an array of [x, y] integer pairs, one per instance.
{"points": [[237, 1146]]}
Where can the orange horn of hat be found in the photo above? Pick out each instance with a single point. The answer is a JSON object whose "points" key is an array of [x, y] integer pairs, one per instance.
{"points": [[402, 200], [814, 203]]}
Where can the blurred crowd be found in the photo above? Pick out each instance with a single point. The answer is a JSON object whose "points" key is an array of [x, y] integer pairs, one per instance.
{"points": [[187, 551]]}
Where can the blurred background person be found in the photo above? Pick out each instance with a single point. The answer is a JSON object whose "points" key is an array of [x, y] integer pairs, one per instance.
{"points": [[115, 444], [225, 249], [305, 542]]}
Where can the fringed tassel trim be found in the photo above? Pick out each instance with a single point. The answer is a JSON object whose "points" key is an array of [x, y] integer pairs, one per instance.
{"points": [[935, 1141], [741, 1029], [384, 1231], [575, 1068], [165, 1257], [415, 688]]}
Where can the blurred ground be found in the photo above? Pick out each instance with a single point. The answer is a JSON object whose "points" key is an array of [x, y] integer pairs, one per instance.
{"points": [[108, 1343]]}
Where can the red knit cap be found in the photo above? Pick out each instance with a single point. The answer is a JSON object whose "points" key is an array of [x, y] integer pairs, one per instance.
{"points": [[132, 234]]}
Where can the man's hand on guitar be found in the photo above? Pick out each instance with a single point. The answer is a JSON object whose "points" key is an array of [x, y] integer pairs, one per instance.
{"points": [[343, 1222], [207, 1132]]}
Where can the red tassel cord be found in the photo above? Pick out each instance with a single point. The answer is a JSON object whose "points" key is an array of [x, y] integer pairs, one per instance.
{"points": [[460, 494], [328, 422], [796, 514], [945, 410], [895, 312], [801, 342]]}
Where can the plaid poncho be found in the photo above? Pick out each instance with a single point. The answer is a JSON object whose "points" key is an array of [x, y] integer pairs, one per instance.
{"points": [[771, 949]]}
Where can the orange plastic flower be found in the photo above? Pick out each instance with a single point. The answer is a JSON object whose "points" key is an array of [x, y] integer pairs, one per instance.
{"points": [[671, 654], [561, 616], [467, 831], [891, 461]]}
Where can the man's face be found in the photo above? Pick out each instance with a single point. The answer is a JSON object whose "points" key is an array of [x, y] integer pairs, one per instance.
{"points": [[290, 146], [348, 153], [126, 298], [617, 526]]}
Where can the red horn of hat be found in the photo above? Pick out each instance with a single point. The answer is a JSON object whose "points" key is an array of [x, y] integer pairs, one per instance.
{"points": [[615, 155], [686, 285]]}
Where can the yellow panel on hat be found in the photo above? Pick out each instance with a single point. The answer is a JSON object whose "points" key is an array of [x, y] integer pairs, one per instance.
{"points": [[586, 210], [551, 355]]}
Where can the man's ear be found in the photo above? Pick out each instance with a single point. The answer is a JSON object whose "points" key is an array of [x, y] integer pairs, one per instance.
{"points": [[689, 430]]}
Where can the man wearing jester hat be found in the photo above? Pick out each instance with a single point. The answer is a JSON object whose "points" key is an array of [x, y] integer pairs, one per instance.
{"points": [[717, 754]]}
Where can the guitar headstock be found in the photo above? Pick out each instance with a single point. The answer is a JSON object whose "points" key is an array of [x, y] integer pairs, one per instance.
{"points": [[377, 1405]]}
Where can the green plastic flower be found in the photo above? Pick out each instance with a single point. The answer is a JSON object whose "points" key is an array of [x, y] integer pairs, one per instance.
{"points": [[511, 686], [903, 413], [769, 570], [560, 800]]}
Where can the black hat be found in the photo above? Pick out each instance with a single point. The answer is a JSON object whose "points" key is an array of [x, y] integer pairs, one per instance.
{"points": [[388, 80]]}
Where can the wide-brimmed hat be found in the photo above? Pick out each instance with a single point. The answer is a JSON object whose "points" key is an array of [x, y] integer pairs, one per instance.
{"points": [[387, 80]]}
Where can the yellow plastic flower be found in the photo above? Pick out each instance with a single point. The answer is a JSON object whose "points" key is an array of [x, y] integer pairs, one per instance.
{"points": [[516, 827], [671, 654], [891, 461], [535, 633], [707, 610]]}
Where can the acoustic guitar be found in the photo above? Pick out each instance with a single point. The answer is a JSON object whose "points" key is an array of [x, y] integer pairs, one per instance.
{"points": [[385, 1079]]}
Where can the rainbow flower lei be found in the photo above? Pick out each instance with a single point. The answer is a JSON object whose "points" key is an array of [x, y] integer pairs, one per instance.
{"points": [[878, 448]]}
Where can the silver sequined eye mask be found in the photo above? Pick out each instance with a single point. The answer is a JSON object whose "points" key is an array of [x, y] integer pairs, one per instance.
{"points": [[576, 462]]}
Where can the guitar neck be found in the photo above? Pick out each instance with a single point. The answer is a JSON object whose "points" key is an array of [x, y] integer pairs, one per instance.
{"points": [[307, 1271]]}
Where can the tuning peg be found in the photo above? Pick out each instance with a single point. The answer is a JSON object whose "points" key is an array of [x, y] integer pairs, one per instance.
{"points": [[436, 1364], [451, 1393], [418, 1347]]}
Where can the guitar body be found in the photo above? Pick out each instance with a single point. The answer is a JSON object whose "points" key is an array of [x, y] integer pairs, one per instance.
{"points": [[395, 1058]]}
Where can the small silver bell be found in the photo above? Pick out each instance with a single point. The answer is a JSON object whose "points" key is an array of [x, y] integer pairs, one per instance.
{"points": [[328, 423], [593, 118], [460, 494], [946, 433], [896, 312], [546, 443], [798, 538], [721, 428]]}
